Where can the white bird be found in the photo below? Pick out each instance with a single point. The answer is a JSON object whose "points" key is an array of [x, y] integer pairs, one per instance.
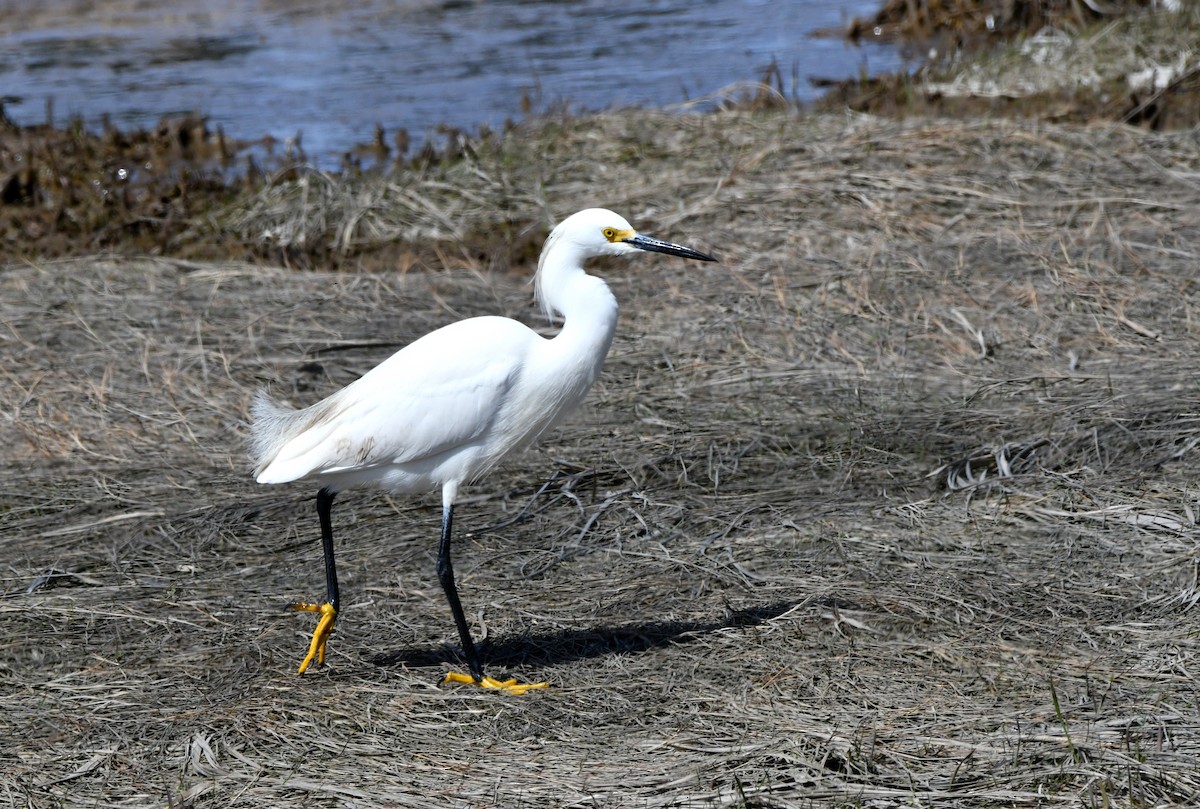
{"points": [[447, 408]]}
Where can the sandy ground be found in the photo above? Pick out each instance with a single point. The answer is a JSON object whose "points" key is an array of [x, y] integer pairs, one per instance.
{"points": [[896, 506]]}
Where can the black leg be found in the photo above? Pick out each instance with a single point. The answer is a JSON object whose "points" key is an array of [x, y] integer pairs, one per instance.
{"points": [[328, 610], [324, 505], [445, 572]]}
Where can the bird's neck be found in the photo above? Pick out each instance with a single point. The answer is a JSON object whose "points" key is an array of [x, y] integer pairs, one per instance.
{"points": [[588, 305], [588, 309]]}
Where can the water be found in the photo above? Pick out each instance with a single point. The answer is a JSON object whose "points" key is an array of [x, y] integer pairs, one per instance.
{"points": [[282, 67]]}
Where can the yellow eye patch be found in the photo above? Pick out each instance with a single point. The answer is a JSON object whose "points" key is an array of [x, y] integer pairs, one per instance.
{"points": [[617, 235]]}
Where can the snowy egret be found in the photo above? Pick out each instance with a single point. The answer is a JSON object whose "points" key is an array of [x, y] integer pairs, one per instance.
{"points": [[447, 408]]}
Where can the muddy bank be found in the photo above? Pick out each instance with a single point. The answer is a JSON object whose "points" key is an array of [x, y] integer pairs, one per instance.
{"points": [[1126, 63]]}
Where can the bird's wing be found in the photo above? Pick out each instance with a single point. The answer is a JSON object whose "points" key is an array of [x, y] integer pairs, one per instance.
{"points": [[441, 392]]}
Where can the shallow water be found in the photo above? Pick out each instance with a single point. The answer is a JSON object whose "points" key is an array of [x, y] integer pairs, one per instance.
{"points": [[280, 67]]}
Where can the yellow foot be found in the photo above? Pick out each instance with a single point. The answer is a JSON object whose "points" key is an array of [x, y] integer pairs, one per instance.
{"points": [[316, 649], [507, 686]]}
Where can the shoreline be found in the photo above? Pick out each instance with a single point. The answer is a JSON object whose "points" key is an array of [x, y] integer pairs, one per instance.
{"points": [[65, 191]]}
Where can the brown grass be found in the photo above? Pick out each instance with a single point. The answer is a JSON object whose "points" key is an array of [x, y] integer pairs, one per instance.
{"points": [[968, 22], [1064, 61], [894, 507]]}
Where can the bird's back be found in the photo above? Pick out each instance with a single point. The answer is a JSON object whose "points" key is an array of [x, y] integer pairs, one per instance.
{"points": [[449, 404]]}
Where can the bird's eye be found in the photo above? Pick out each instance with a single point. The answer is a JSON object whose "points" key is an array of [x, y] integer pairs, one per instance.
{"points": [[609, 233]]}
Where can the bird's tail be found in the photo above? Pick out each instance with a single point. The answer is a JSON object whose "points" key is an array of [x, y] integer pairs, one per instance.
{"points": [[270, 428]]}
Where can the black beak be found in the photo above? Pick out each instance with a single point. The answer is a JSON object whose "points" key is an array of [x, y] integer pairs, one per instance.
{"points": [[656, 246]]}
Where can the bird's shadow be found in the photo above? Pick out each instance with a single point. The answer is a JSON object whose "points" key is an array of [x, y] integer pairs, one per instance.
{"points": [[542, 649]]}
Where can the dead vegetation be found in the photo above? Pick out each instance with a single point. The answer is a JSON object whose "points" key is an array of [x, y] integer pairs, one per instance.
{"points": [[895, 507], [964, 23], [1078, 62]]}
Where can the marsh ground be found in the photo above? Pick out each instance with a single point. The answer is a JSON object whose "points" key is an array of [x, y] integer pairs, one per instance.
{"points": [[896, 505]]}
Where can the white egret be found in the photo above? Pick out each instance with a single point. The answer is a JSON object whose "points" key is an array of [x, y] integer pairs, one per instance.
{"points": [[447, 408]]}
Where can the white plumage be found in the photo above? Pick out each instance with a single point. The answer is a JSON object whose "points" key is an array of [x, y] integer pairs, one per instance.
{"points": [[448, 407]]}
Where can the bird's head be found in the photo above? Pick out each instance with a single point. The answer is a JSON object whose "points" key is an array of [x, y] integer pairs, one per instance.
{"points": [[599, 232], [588, 234]]}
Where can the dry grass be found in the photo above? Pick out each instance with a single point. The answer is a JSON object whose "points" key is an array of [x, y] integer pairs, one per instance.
{"points": [[966, 22], [1111, 52], [1061, 61], [895, 507]]}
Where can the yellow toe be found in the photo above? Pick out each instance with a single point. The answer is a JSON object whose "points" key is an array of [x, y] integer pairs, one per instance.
{"points": [[316, 649], [511, 686], [455, 677], [507, 686]]}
